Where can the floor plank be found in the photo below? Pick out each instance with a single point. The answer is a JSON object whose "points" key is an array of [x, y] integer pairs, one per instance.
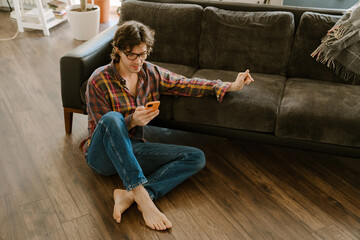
{"points": [[53, 172], [21, 173], [331, 233], [42, 213], [325, 196], [82, 228], [12, 224]]}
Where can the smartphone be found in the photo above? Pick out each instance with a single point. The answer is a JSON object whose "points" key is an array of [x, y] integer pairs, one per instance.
{"points": [[152, 105]]}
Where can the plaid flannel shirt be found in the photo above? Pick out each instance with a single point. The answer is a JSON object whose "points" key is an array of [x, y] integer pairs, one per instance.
{"points": [[106, 91]]}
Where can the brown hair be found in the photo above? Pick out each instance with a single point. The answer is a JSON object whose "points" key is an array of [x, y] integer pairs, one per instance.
{"points": [[129, 35]]}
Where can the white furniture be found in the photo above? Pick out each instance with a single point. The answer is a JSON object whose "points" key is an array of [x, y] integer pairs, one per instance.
{"points": [[37, 18]]}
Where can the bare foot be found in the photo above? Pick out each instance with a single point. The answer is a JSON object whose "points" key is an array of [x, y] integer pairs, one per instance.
{"points": [[151, 214], [123, 200]]}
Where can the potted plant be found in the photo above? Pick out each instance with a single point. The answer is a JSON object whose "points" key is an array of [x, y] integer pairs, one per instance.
{"points": [[84, 19], [104, 9]]}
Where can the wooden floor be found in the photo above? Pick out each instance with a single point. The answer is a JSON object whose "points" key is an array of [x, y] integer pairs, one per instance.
{"points": [[246, 191]]}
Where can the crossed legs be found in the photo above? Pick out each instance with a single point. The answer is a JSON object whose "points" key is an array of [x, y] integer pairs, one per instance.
{"points": [[147, 170]]}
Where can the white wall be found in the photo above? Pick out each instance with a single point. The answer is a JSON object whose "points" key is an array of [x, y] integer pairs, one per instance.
{"points": [[342, 4]]}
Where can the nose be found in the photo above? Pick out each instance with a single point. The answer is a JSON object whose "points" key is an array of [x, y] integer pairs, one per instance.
{"points": [[137, 60]]}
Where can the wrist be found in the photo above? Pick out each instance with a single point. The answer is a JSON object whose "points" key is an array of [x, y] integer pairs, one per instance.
{"points": [[131, 123], [231, 88]]}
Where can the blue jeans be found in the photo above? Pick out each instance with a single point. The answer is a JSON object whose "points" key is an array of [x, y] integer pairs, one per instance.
{"points": [[158, 167]]}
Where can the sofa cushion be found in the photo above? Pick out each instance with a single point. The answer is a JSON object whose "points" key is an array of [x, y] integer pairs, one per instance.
{"points": [[320, 111], [255, 107], [312, 28], [177, 29], [235, 40]]}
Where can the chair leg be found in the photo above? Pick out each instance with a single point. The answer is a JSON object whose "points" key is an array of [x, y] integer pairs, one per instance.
{"points": [[68, 117]]}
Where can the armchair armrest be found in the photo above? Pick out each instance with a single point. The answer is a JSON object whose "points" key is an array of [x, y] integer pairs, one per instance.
{"points": [[77, 65]]}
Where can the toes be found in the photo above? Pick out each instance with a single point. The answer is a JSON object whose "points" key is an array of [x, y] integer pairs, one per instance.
{"points": [[168, 224], [152, 226], [116, 215], [117, 218], [162, 226], [157, 226]]}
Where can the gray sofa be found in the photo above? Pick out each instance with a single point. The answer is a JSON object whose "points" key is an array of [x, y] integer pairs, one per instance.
{"points": [[294, 100]]}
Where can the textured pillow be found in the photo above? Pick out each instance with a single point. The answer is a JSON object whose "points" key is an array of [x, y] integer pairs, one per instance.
{"points": [[177, 29], [312, 27], [235, 40]]}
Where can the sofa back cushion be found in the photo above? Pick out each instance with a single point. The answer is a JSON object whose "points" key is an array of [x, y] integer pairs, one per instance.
{"points": [[236, 40], [177, 29], [312, 28]]}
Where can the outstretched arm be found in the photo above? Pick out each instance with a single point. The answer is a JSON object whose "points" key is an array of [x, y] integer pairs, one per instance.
{"points": [[174, 84]]}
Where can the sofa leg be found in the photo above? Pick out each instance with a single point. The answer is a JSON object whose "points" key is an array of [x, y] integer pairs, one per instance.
{"points": [[68, 117]]}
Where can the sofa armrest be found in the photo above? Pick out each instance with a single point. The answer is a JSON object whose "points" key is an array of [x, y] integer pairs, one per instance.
{"points": [[77, 66]]}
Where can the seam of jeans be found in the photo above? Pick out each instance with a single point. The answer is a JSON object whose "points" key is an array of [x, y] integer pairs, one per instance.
{"points": [[162, 173], [116, 152], [132, 186], [169, 153], [178, 154]]}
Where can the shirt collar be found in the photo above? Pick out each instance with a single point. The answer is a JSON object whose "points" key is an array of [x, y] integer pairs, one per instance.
{"points": [[117, 74], [141, 74]]}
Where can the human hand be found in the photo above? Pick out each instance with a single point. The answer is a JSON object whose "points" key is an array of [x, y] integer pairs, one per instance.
{"points": [[242, 79], [142, 116]]}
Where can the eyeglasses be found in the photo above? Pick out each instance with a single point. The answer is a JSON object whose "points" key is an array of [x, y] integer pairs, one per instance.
{"points": [[133, 56]]}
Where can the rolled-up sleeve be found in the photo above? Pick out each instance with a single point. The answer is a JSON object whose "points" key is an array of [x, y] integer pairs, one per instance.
{"points": [[174, 84]]}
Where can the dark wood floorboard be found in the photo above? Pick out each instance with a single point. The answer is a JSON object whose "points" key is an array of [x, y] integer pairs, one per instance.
{"points": [[246, 191]]}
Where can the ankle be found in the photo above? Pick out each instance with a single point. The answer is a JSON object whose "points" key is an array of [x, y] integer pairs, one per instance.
{"points": [[120, 194], [141, 195]]}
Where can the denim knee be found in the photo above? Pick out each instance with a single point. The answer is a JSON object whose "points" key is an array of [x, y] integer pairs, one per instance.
{"points": [[198, 156], [112, 119]]}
